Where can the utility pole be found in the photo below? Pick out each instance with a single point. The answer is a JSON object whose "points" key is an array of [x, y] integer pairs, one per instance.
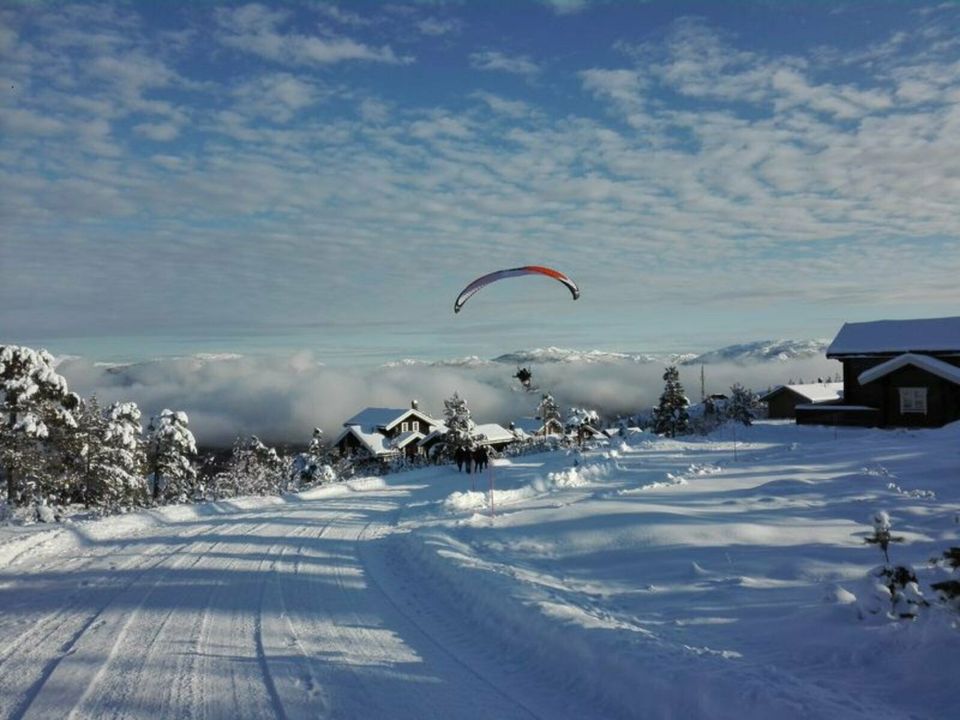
{"points": [[703, 385]]}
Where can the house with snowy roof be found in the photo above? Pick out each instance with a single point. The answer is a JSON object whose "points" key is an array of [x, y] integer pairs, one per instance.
{"points": [[491, 435], [383, 433], [896, 373], [782, 401]]}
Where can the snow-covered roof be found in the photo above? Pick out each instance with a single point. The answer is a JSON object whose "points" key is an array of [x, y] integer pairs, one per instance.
{"points": [[493, 433], [814, 392], [386, 418], [936, 367], [924, 335], [404, 439], [412, 412], [438, 432], [376, 417], [374, 442]]}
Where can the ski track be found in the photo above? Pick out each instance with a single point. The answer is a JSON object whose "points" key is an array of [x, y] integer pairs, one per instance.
{"points": [[40, 649]]}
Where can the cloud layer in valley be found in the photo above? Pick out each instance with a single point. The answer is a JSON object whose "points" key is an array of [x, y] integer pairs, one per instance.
{"points": [[282, 399]]}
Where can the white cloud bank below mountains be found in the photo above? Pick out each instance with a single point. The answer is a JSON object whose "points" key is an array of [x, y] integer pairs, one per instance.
{"points": [[281, 399]]}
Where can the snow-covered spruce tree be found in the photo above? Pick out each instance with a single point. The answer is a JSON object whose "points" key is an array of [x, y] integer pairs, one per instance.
{"points": [[104, 456], [670, 417], [456, 416], [34, 399], [170, 445], [269, 469], [741, 406], [230, 480], [122, 457], [313, 466], [253, 469], [77, 448], [896, 584], [549, 413]]}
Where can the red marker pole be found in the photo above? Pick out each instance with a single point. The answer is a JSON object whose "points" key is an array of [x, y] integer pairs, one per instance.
{"points": [[493, 512]]}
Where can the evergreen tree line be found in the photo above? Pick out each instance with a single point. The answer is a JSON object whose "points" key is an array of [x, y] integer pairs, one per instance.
{"points": [[58, 449]]}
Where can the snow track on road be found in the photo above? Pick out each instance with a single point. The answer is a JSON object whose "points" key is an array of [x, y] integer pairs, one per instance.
{"points": [[291, 610]]}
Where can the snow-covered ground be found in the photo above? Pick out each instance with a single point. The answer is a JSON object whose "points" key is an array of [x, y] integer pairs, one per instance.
{"points": [[654, 578]]}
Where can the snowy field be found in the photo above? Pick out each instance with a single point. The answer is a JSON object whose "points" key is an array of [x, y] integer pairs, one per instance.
{"points": [[653, 578]]}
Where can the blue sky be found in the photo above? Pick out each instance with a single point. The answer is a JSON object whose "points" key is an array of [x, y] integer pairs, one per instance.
{"points": [[181, 177]]}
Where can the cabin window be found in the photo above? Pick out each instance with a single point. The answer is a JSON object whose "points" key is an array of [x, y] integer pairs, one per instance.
{"points": [[415, 426], [913, 400], [404, 427]]}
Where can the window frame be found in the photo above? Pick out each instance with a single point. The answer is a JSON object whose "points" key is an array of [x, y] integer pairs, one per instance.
{"points": [[913, 400]]}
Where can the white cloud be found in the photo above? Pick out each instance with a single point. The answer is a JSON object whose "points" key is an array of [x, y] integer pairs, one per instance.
{"points": [[437, 27], [373, 110], [503, 106], [277, 96], [494, 60], [158, 132], [566, 7], [256, 29]]}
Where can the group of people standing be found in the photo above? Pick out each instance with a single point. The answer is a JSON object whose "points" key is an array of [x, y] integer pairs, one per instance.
{"points": [[475, 460]]}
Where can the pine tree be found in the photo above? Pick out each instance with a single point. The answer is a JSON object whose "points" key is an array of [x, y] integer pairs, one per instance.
{"points": [[170, 445], [313, 466], [121, 461], [34, 400], [741, 407], [253, 469], [670, 417], [549, 413], [456, 416], [269, 471], [79, 448]]}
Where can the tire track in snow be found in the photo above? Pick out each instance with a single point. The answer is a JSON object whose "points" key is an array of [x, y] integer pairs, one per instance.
{"points": [[156, 631], [34, 704], [424, 632], [31, 647], [310, 693]]}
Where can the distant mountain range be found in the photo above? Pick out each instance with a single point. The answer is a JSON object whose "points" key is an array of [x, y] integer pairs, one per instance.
{"points": [[561, 355], [746, 353], [762, 351]]}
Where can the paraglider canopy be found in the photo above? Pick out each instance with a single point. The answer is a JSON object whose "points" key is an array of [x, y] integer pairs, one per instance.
{"points": [[481, 282]]}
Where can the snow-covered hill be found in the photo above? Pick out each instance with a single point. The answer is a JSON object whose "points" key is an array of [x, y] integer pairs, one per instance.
{"points": [[722, 577], [563, 355], [762, 351]]}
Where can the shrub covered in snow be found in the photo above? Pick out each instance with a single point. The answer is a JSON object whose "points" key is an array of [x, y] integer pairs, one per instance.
{"points": [[894, 588]]}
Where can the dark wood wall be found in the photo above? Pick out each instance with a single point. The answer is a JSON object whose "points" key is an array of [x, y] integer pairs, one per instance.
{"points": [[943, 397], [782, 404]]}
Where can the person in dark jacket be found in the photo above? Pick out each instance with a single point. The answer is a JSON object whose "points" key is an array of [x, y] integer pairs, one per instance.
{"points": [[459, 456], [480, 458]]}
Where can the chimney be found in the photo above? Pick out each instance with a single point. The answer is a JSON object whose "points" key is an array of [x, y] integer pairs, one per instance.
{"points": [[414, 405]]}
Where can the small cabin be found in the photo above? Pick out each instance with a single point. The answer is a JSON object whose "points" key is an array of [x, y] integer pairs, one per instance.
{"points": [[896, 373], [782, 401]]}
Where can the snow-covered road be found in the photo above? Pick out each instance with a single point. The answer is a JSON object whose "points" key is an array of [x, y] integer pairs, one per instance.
{"points": [[294, 610]]}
